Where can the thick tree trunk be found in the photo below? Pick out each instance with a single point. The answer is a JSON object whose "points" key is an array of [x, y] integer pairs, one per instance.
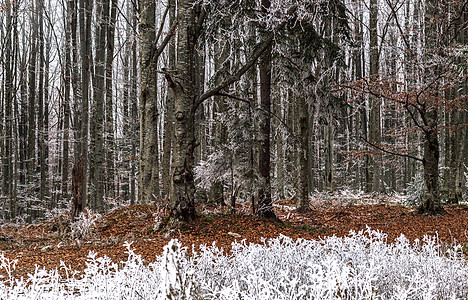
{"points": [[431, 202], [149, 158], [97, 155], [182, 193]]}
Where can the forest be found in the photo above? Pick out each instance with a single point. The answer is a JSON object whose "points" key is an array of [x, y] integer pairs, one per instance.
{"points": [[147, 120], [113, 103]]}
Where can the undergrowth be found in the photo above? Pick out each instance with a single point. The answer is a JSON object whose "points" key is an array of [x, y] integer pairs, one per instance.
{"points": [[360, 266]]}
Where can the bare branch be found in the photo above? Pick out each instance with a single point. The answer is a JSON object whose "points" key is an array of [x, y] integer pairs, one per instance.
{"points": [[156, 51], [158, 35], [391, 152], [249, 63]]}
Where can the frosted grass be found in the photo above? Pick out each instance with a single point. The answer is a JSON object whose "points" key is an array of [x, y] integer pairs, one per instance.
{"points": [[359, 266]]}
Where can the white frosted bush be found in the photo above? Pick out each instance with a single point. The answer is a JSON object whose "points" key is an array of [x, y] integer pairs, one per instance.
{"points": [[83, 226], [359, 266]]}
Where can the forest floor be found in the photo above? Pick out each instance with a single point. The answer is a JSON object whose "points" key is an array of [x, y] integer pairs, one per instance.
{"points": [[48, 243]]}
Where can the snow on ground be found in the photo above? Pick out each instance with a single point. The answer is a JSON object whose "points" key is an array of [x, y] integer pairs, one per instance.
{"points": [[359, 266]]}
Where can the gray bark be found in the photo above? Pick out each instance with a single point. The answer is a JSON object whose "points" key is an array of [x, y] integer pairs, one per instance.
{"points": [[265, 205], [109, 129], [302, 200], [374, 118], [169, 117], [149, 158]]}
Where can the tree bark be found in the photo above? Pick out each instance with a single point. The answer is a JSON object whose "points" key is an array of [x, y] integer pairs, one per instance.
{"points": [[374, 119], [85, 49], [265, 205], [182, 203], [66, 102], [302, 200], [149, 161], [431, 203], [169, 118], [9, 98], [134, 116], [109, 129], [97, 155]]}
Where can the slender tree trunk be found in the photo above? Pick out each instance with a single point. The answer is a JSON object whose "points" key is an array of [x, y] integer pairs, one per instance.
{"points": [[7, 139], [66, 103], [32, 117], [329, 138], [169, 118], [76, 81], [359, 72], [134, 116], [45, 133], [375, 128], [85, 40], [41, 126], [126, 120], [279, 160], [265, 206], [302, 201], [109, 130], [219, 130]]}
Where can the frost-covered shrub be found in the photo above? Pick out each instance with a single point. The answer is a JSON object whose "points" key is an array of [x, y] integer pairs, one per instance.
{"points": [[415, 191], [83, 226], [359, 266]]}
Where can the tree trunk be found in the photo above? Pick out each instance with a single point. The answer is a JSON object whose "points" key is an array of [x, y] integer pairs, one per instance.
{"points": [[302, 200], [66, 103], [169, 118], [134, 116], [7, 138], [85, 40], [77, 189], [76, 81], [182, 204], [109, 130], [219, 130], [265, 206], [431, 203], [149, 161], [97, 155], [375, 130], [31, 109]]}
